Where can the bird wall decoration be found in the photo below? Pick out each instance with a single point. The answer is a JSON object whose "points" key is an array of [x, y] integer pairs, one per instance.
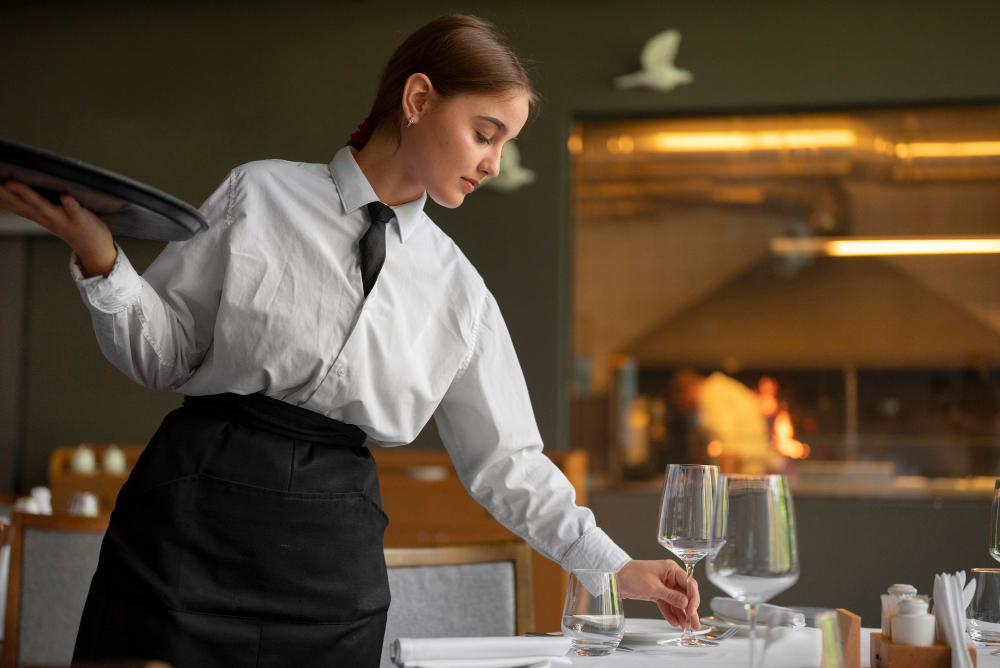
{"points": [[511, 175], [658, 71]]}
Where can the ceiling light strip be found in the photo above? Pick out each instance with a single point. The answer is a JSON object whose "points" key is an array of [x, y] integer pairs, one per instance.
{"points": [[877, 246]]}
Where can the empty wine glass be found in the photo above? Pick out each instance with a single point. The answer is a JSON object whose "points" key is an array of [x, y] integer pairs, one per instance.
{"points": [[995, 520], [685, 526], [754, 552]]}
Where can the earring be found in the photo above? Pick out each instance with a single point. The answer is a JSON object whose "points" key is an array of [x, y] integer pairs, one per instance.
{"points": [[409, 122]]}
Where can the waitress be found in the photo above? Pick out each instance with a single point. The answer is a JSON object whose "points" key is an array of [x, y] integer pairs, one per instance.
{"points": [[321, 308]]}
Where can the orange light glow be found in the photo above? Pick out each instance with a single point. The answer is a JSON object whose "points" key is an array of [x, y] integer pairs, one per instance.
{"points": [[783, 437], [767, 396], [715, 448]]}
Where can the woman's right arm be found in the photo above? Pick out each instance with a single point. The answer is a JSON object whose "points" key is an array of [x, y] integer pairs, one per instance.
{"points": [[156, 328]]}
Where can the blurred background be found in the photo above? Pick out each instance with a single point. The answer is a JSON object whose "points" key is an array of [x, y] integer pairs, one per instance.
{"points": [[671, 278]]}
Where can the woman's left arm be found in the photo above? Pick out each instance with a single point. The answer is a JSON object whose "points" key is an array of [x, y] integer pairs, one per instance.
{"points": [[489, 429]]}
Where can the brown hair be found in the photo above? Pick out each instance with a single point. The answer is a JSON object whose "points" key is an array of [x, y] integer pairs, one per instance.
{"points": [[459, 54]]}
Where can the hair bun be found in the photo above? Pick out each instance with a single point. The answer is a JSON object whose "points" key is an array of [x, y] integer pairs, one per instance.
{"points": [[362, 134]]}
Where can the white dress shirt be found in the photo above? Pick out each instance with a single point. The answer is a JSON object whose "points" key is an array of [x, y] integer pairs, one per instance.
{"points": [[269, 299]]}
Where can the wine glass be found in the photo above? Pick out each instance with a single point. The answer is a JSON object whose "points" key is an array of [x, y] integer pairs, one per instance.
{"points": [[754, 552], [995, 523], [685, 525]]}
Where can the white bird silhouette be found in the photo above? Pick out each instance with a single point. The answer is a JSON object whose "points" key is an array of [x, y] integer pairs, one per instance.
{"points": [[510, 174], [658, 71]]}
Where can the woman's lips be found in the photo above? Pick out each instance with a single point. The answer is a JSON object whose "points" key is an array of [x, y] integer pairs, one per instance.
{"points": [[470, 184]]}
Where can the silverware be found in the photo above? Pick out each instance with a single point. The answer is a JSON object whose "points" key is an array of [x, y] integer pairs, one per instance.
{"points": [[532, 633], [714, 634]]}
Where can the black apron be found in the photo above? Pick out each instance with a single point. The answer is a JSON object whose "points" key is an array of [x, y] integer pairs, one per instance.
{"points": [[249, 533]]}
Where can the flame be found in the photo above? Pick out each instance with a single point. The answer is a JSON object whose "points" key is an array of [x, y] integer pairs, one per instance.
{"points": [[783, 437], [767, 396]]}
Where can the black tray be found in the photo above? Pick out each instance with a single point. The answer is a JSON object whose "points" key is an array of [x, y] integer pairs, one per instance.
{"points": [[126, 206]]}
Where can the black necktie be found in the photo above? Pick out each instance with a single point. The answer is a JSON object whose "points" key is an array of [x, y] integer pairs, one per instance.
{"points": [[372, 244]]}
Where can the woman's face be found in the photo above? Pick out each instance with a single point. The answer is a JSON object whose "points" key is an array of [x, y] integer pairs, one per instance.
{"points": [[456, 142]]}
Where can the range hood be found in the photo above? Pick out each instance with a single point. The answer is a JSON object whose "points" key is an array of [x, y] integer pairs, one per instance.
{"points": [[828, 313]]}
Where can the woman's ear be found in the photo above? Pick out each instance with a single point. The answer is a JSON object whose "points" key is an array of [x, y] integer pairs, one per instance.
{"points": [[417, 94]]}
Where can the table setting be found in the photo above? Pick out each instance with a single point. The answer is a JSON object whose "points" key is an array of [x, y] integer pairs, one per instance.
{"points": [[743, 526]]}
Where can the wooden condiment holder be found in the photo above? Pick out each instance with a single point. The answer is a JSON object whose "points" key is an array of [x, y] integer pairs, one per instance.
{"points": [[887, 654], [850, 637]]}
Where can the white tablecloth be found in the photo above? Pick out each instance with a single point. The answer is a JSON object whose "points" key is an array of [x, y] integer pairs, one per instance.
{"points": [[732, 653]]}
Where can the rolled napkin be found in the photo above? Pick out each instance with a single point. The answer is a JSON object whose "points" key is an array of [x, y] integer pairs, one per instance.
{"points": [[731, 610], [495, 652], [949, 613]]}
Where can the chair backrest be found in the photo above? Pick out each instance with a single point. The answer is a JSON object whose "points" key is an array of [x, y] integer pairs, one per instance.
{"points": [[53, 559], [459, 591]]}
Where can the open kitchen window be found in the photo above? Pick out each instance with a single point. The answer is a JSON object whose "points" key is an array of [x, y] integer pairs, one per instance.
{"points": [[815, 293]]}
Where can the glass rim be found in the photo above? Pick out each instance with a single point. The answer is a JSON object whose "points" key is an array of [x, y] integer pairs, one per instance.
{"points": [[753, 476], [692, 466], [986, 570]]}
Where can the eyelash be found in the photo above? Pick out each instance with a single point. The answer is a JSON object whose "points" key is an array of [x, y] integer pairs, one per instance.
{"points": [[482, 139]]}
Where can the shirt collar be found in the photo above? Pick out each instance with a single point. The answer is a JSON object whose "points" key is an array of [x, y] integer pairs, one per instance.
{"points": [[356, 192]]}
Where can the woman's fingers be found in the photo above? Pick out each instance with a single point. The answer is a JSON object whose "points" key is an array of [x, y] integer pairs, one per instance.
{"points": [[670, 614], [10, 201], [49, 211]]}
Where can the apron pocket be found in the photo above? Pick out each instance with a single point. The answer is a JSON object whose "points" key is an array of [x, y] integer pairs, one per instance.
{"points": [[228, 548]]}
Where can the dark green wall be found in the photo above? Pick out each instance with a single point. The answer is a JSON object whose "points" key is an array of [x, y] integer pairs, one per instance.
{"points": [[176, 94]]}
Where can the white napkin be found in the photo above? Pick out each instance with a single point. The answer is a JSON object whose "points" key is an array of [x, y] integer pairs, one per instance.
{"points": [[731, 610], [949, 613], [502, 652]]}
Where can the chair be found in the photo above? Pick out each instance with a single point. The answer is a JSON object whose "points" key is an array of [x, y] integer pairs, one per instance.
{"points": [[459, 591], [53, 558], [427, 505]]}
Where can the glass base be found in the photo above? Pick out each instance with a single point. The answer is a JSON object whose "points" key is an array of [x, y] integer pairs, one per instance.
{"points": [[690, 641], [590, 648]]}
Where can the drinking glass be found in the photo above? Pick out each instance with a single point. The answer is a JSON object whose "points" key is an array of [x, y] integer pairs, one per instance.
{"points": [[982, 617], [753, 553], [592, 617], [995, 523], [685, 525]]}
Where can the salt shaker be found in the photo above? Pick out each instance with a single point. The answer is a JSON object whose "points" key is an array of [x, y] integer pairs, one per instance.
{"points": [[890, 605], [912, 625]]}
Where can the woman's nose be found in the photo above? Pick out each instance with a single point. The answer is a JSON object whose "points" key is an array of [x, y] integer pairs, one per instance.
{"points": [[491, 166]]}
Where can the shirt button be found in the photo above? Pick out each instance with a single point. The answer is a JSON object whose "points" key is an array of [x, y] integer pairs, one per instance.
{"points": [[341, 372]]}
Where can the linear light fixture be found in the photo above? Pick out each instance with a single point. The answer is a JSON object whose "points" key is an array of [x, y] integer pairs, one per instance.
{"points": [[948, 149], [762, 140], [868, 246]]}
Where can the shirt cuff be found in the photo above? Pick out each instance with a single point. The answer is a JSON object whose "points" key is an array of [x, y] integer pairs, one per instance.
{"points": [[595, 550], [112, 294]]}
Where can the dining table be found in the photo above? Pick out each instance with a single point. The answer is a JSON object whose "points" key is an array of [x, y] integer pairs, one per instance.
{"points": [[731, 653]]}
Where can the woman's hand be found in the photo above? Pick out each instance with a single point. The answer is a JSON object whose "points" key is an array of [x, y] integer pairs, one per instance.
{"points": [[80, 228], [665, 582]]}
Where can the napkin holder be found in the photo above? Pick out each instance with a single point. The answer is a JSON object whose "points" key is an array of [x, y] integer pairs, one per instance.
{"points": [[887, 654]]}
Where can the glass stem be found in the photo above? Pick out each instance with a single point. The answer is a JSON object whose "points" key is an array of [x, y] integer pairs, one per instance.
{"points": [[752, 623], [689, 568]]}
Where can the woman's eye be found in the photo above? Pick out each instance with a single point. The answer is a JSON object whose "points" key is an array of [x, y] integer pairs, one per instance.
{"points": [[482, 139]]}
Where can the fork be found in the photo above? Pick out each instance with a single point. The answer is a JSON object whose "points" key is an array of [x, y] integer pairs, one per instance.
{"points": [[728, 633]]}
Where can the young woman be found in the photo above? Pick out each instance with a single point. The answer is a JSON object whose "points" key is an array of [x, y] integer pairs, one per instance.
{"points": [[322, 308]]}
